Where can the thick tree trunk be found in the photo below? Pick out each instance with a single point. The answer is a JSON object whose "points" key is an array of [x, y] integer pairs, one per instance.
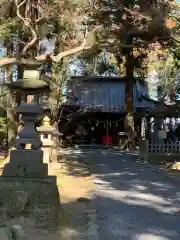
{"points": [[11, 114], [129, 83], [20, 70], [12, 128]]}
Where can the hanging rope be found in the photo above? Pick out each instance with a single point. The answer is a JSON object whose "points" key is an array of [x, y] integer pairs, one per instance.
{"points": [[95, 120], [81, 112]]}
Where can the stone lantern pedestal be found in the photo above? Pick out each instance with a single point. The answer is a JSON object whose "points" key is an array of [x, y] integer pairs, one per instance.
{"points": [[26, 189]]}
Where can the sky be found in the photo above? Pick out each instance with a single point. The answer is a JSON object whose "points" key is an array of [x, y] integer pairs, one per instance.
{"points": [[1, 51]]}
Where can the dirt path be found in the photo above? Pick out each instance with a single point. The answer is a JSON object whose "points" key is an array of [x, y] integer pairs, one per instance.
{"points": [[75, 187]]}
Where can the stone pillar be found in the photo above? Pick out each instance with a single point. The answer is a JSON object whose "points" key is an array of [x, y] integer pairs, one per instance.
{"points": [[143, 149], [54, 154], [143, 128]]}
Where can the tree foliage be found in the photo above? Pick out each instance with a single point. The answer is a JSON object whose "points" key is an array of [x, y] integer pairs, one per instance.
{"points": [[39, 29], [99, 63], [142, 21], [30, 21], [174, 49], [166, 61]]}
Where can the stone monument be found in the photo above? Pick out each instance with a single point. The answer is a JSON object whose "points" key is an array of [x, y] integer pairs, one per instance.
{"points": [[26, 189]]}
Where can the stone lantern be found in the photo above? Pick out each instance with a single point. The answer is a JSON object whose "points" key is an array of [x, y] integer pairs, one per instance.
{"points": [[30, 161], [48, 136], [25, 185]]}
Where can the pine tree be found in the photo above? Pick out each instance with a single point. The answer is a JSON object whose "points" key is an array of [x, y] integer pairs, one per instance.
{"points": [[127, 29]]}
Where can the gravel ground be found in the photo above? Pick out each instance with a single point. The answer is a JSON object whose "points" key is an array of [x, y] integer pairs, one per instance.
{"points": [[133, 201]]}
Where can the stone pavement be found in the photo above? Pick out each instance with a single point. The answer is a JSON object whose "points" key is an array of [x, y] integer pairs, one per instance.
{"points": [[133, 200]]}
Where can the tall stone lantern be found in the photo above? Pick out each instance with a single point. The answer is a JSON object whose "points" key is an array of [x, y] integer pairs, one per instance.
{"points": [[25, 180], [30, 161]]}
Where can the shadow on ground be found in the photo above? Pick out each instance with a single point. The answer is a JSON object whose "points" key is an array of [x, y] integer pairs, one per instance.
{"points": [[75, 163], [134, 201], [145, 202], [72, 224], [133, 221]]}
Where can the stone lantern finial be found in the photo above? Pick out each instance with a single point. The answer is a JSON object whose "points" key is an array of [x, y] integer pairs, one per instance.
{"points": [[46, 121]]}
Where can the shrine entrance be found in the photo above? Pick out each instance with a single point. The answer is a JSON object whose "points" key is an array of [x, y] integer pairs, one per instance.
{"points": [[95, 128]]}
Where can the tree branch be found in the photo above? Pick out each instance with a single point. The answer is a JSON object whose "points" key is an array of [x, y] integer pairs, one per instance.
{"points": [[61, 55], [69, 52], [38, 6], [33, 40], [7, 61], [40, 18], [28, 23]]}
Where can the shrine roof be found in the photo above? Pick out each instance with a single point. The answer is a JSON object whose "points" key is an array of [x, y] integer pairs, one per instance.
{"points": [[106, 94], [103, 79]]}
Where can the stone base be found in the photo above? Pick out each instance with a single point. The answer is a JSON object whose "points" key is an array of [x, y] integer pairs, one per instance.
{"points": [[13, 170], [25, 163], [34, 200], [30, 157]]}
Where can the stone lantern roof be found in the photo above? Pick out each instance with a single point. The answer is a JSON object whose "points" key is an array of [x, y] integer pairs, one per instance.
{"points": [[31, 81], [46, 127], [29, 85]]}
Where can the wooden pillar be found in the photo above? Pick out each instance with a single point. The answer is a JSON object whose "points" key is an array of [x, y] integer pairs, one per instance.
{"points": [[107, 131]]}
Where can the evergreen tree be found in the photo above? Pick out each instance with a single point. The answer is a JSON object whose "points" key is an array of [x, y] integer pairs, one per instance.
{"points": [[127, 29]]}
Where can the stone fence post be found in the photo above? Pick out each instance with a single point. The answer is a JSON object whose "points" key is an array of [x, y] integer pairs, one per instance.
{"points": [[143, 149]]}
